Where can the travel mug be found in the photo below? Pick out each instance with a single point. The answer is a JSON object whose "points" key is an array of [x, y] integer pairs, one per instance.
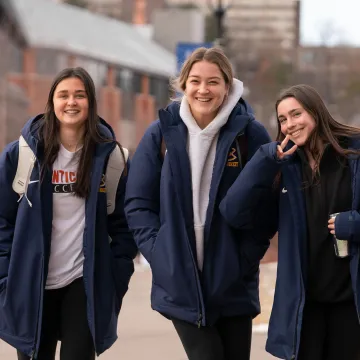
{"points": [[341, 246]]}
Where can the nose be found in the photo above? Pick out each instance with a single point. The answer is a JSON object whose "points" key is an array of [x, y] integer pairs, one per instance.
{"points": [[290, 123], [71, 100], [203, 89]]}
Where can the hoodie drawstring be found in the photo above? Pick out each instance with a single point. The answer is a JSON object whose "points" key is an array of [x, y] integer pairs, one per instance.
{"points": [[22, 195]]}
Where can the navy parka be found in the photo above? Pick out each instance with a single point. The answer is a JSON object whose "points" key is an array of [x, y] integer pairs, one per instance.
{"points": [[254, 200], [159, 210], [25, 237]]}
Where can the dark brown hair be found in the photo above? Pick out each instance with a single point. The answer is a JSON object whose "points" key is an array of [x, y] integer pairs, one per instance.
{"points": [[49, 131], [327, 129], [212, 55]]}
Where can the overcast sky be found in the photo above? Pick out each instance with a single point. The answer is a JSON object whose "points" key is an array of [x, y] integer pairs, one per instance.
{"points": [[343, 15]]}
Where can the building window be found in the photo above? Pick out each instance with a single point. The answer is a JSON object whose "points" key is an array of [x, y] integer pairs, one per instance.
{"points": [[159, 89], [46, 61], [124, 81], [96, 69]]}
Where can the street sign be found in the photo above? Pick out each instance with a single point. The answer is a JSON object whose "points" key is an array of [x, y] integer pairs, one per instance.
{"points": [[184, 50]]}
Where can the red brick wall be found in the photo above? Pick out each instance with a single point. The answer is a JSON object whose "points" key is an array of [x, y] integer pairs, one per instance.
{"points": [[110, 106], [145, 113]]}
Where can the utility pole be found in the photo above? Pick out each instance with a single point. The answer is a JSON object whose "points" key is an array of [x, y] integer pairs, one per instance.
{"points": [[219, 10]]}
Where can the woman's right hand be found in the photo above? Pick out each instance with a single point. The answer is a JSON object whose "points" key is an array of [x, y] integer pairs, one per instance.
{"points": [[280, 153]]}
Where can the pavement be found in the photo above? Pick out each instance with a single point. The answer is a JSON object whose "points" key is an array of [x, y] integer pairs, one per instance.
{"points": [[146, 335]]}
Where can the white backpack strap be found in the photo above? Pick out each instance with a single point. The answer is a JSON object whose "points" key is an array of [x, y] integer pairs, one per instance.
{"points": [[114, 169], [25, 166]]}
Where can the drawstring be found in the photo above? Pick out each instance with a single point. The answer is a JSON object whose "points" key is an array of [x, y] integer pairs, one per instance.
{"points": [[22, 195]]}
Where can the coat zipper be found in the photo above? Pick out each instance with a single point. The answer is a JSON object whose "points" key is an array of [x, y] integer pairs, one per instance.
{"points": [[197, 281], [354, 186], [293, 357], [242, 132]]}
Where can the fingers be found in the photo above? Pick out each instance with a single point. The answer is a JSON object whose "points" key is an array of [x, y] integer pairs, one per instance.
{"points": [[291, 151], [331, 226], [285, 141]]}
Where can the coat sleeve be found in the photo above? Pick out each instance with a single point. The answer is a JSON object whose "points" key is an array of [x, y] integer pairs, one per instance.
{"points": [[8, 207], [122, 245], [347, 226], [252, 200], [142, 201]]}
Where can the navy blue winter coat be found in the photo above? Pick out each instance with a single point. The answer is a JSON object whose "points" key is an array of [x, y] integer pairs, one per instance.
{"points": [[25, 236], [159, 210], [253, 200]]}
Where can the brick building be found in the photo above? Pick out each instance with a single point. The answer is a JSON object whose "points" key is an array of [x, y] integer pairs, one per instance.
{"points": [[39, 38]]}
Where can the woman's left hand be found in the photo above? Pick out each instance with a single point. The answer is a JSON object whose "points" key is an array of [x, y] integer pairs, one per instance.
{"points": [[331, 226]]}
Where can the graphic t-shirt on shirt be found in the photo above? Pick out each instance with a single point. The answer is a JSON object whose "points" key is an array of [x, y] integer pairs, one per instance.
{"points": [[66, 254]]}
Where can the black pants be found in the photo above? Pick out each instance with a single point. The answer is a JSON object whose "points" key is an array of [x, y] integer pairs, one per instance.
{"points": [[228, 339], [64, 318], [330, 332]]}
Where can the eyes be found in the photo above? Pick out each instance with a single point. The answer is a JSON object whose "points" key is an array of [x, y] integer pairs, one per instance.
{"points": [[66, 96], [296, 114], [212, 82]]}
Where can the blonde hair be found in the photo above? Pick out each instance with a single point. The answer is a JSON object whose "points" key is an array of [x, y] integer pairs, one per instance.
{"points": [[211, 55]]}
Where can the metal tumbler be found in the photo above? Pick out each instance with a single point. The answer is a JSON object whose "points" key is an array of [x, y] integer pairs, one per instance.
{"points": [[341, 246]]}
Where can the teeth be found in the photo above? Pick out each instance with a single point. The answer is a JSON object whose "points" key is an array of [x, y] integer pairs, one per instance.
{"points": [[203, 100], [296, 133], [72, 111]]}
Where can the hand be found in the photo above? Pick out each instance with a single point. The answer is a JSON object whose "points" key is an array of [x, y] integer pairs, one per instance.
{"points": [[331, 226], [280, 154]]}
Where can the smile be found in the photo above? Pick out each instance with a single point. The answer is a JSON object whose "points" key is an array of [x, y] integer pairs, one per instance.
{"points": [[296, 133], [203, 99], [72, 112]]}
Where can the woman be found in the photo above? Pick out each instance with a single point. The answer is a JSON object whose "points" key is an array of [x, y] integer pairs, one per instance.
{"points": [[205, 274], [306, 185], [61, 277]]}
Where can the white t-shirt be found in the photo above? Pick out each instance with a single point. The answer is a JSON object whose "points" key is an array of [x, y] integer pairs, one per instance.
{"points": [[66, 254]]}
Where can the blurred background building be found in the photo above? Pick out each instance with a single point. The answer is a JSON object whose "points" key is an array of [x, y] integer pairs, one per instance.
{"points": [[131, 72], [130, 47]]}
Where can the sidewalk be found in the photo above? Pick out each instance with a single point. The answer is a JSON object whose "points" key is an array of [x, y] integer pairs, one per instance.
{"points": [[146, 335]]}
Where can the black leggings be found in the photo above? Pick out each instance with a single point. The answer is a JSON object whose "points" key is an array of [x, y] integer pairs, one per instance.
{"points": [[64, 318], [228, 339], [330, 332]]}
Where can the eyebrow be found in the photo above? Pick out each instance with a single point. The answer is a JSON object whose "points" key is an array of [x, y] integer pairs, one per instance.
{"points": [[290, 112], [212, 77], [294, 110], [76, 91]]}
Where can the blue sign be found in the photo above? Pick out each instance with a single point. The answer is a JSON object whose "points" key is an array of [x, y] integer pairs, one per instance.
{"points": [[184, 50]]}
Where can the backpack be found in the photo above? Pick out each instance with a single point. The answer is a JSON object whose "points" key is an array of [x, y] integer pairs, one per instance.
{"points": [[114, 168]]}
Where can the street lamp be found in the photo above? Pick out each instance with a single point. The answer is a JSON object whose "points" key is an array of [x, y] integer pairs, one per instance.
{"points": [[219, 8]]}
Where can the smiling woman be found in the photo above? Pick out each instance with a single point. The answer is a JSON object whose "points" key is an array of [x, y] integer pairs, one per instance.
{"points": [[306, 184], [205, 272], [70, 288]]}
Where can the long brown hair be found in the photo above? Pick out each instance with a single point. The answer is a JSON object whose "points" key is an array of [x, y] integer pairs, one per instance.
{"points": [[49, 131], [327, 129]]}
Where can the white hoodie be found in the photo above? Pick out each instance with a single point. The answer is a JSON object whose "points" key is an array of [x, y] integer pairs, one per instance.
{"points": [[201, 147]]}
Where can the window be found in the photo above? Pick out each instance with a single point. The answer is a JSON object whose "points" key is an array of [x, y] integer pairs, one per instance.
{"points": [[124, 81], [159, 88], [96, 69]]}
